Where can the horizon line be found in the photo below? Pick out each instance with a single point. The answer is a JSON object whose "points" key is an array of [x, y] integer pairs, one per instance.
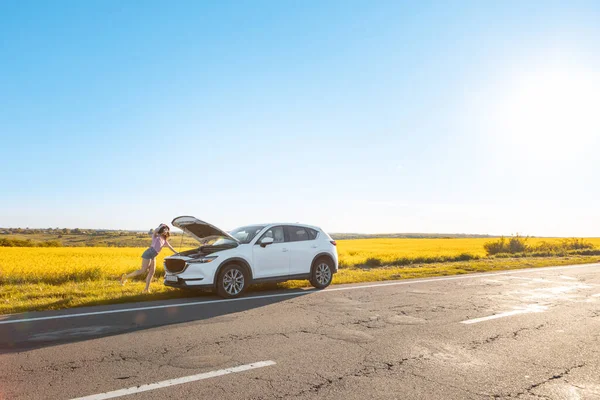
{"points": [[331, 233]]}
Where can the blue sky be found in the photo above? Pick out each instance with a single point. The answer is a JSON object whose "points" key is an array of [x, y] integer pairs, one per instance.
{"points": [[357, 116]]}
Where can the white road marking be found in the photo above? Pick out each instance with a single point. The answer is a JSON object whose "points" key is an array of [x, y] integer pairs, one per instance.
{"points": [[563, 289], [176, 381], [533, 308], [291, 294], [544, 280], [536, 280], [527, 279], [568, 277]]}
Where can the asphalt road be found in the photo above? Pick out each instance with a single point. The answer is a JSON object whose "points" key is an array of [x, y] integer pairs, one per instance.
{"points": [[523, 334]]}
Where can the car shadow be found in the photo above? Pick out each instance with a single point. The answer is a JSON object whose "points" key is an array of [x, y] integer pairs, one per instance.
{"points": [[35, 330]]}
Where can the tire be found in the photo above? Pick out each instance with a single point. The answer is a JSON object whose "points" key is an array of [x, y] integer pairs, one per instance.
{"points": [[232, 281], [322, 273]]}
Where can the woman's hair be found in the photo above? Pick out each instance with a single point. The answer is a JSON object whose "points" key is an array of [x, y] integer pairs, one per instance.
{"points": [[164, 231]]}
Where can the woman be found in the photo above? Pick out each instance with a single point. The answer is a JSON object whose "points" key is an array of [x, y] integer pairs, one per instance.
{"points": [[159, 240]]}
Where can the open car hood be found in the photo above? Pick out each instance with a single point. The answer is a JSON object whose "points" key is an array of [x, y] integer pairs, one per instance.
{"points": [[201, 230]]}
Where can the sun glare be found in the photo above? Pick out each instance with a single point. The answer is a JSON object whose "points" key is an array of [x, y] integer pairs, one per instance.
{"points": [[549, 113]]}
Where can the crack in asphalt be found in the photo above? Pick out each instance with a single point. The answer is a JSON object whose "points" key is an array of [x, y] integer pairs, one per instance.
{"points": [[229, 338], [364, 371], [428, 379], [85, 363], [161, 353], [369, 323], [475, 344], [327, 322], [368, 369], [529, 390], [537, 328], [126, 377], [269, 382], [513, 335]]}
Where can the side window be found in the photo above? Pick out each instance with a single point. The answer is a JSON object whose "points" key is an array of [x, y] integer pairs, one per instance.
{"points": [[297, 233], [276, 233], [312, 234]]}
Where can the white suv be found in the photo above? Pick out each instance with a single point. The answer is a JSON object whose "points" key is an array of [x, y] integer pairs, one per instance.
{"points": [[230, 262]]}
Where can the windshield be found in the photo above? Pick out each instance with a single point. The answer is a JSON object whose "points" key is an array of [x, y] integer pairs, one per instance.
{"points": [[244, 235]]}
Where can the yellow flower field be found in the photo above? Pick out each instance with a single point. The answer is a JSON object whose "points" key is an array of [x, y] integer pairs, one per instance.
{"points": [[357, 252], [37, 278], [56, 265]]}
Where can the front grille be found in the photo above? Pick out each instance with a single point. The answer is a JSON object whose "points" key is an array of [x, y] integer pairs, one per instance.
{"points": [[174, 266]]}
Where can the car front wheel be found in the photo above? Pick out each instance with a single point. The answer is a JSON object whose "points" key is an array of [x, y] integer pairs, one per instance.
{"points": [[232, 281], [322, 273]]}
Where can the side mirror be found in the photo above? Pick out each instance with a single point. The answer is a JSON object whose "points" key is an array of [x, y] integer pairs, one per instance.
{"points": [[264, 242]]}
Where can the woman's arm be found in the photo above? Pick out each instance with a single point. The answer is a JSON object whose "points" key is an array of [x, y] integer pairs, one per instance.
{"points": [[171, 247]]}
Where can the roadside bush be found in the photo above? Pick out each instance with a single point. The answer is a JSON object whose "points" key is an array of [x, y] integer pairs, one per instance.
{"points": [[557, 253], [563, 246], [511, 255], [16, 243], [373, 262], [466, 257], [585, 252], [49, 243], [402, 261], [405, 261], [496, 247], [516, 244], [28, 243], [576, 244]]}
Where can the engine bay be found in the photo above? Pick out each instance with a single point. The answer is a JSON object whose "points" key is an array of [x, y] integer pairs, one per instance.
{"points": [[205, 250]]}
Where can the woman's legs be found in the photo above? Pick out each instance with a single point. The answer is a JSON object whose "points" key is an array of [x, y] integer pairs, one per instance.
{"points": [[145, 264], [151, 269]]}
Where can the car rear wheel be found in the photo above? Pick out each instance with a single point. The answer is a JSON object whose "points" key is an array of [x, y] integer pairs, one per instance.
{"points": [[232, 281], [322, 273]]}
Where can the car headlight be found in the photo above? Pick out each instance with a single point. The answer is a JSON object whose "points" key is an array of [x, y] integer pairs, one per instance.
{"points": [[202, 260]]}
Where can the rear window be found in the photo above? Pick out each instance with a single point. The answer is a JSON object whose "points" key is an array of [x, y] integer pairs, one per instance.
{"points": [[312, 234], [297, 233]]}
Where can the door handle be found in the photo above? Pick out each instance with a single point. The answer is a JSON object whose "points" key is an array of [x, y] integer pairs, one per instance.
{"points": [[284, 250]]}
